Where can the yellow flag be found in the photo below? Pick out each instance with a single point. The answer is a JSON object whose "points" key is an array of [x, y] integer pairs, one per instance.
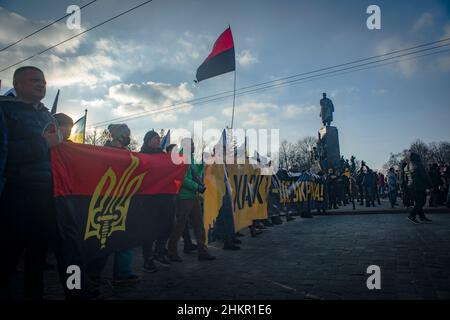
{"points": [[78, 130]]}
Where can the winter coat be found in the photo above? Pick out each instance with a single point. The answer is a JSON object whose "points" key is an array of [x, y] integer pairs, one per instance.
{"points": [[191, 183], [24, 152], [416, 176]]}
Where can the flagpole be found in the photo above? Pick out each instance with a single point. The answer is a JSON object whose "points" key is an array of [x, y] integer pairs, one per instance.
{"points": [[234, 99], [85, 122]]}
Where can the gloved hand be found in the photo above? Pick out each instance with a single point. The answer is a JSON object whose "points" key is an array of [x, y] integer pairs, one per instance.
{"points": [[201, 188]]}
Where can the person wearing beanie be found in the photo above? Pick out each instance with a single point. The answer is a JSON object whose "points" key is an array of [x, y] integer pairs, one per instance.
{"points": [[120, 136], [123, 260], [65, 124]]}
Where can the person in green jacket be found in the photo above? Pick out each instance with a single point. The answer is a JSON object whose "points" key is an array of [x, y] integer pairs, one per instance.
{"points": [[188, 207]]}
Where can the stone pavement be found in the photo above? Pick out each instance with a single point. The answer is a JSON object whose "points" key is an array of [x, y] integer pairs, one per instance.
{"points": [[383, 207], [325, 257]]}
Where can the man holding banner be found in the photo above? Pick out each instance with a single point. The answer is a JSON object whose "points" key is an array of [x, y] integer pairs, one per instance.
{"points": [[123, 260], [27, 131], [188, 207]]}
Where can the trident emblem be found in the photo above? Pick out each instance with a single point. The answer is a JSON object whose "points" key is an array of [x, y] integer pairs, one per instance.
{"points": [[108, 213]]}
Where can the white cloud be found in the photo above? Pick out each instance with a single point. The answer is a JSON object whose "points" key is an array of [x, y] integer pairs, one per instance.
{"points": [[210, 122], [102, 62], [443, 63], [87, 70], [146, 97], [343, 92], [15, 26], [407, 67], [246, 58], [424, 21], [446, 31], [380, 92], [95, 104], [253, 114], [291, 111]]}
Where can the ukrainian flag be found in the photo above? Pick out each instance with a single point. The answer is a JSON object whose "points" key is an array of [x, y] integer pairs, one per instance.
{"points": [[78, 131]]}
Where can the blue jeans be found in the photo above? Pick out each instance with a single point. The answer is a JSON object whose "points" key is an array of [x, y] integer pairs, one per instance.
{"points": [[123, 262]]}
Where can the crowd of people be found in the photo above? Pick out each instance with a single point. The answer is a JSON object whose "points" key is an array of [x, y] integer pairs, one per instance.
{"points": [[28, 130], [411, 182], [346, 185]]}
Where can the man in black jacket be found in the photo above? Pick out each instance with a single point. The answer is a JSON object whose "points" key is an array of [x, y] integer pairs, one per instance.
{"points": [[437, 183], [418, 182], [331, 182], [27, 131]]}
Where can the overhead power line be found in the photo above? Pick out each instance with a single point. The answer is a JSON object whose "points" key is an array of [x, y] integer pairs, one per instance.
{"points": [[77, 35], [280, 82], [43, 28]]}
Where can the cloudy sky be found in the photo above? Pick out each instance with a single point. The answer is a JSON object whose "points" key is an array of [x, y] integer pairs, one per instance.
{"points": [[147, 59]]}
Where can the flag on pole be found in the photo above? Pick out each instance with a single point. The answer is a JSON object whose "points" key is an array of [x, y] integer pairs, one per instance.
{"points": [[104, 196], [221, 59], [78, 130], [55, 103], [165, 141], [261, 159], [224, 138]]}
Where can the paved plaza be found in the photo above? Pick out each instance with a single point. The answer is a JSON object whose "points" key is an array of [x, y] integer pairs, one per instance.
{"points": [[325, 257]]}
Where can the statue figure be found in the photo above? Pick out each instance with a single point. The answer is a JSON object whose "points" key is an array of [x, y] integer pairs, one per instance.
{"points": [[326, 110]]}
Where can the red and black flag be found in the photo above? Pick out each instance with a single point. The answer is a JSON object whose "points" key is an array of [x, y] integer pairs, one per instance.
{"points": [[104, 197], [220, 60]]}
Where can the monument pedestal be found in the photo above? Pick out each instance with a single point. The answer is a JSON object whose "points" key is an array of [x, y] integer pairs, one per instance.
{"points": [[329, 147]]}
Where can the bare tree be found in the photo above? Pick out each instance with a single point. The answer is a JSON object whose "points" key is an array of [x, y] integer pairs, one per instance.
{"points": [[97, 137], [433, 152], [421, 149], [284, 149], [439, 151], [297, 156], [134, 144], [393, 162]]}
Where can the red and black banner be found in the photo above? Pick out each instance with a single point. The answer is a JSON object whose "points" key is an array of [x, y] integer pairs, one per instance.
{"points": [[104, 197], [220, 60]]}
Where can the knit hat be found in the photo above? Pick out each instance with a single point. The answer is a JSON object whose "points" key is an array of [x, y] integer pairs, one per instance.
{"points": [[118, 130], [63, 119]]}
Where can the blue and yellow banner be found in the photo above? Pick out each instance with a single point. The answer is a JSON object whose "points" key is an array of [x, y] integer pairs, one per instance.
{"points": [[245, 197]]}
